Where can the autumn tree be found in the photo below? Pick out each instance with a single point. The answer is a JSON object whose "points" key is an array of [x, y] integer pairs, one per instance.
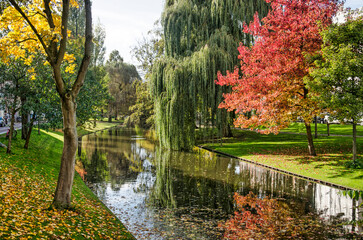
{"points": [[338, 75], [44, 25], [200, 38], [268, 90]]}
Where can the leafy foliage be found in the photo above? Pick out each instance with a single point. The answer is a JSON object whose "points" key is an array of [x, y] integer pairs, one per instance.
{"points": [[27, 181], [200, 37], [143, 110], [270, 92], [267, 218], [271, 82], [338, 76], [120, 77]]}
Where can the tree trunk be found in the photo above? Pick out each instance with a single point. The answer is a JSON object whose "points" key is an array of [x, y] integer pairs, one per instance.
{"points": [[24, 119], [27, 139], [12, 120], [354, 142], [327, 128], [316, 127], [310, 139], [62, 198]]}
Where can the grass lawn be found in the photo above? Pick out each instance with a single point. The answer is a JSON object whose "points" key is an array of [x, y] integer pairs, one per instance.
{"points": [[27, 181], [290, 152], [335, 129]]}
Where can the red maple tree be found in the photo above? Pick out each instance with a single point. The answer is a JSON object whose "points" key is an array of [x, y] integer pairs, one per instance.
{"points": [[268, 90]]}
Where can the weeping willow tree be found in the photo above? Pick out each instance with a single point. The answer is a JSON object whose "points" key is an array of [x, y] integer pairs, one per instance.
{"points": [[201, 38]]}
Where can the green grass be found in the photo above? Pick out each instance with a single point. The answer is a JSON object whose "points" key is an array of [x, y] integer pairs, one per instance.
{"points": [[290, 152], [89, 128], [27, 181], [335, 129]]}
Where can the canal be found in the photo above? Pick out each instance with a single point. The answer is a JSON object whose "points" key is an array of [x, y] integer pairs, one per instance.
{"points": [[161, 194]]}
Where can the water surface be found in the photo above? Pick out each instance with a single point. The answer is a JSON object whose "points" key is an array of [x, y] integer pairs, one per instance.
{"points": [[177, 195]]}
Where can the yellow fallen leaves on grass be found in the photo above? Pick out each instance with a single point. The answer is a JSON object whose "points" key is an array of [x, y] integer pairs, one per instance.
{"points": [[25, 197]]}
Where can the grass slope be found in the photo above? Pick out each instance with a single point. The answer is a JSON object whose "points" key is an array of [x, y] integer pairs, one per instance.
{"points": [[290, 152], [28, 180]]}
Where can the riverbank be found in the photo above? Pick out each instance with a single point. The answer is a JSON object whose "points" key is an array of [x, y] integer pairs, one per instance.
{"points": [[28, 180], [288, 152]]}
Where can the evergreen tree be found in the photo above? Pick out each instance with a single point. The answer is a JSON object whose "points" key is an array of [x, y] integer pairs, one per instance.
{"points": [[200, 39]]}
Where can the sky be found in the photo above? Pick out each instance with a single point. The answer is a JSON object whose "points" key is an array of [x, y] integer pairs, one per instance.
{"points": [[127, 21]]}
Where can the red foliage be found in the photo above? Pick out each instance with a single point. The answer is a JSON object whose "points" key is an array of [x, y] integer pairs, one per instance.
{"points": [[267, 218], [255, 219], [273, 70]]}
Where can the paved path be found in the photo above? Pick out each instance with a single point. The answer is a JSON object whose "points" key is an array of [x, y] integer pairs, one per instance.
{"points": [[5, 129]]}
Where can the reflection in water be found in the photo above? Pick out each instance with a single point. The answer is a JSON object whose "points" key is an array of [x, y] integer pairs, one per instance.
{"points": [[176, 195]]}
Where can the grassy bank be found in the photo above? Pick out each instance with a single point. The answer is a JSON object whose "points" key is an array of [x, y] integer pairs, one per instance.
{"points": [[89, 127], [290, 152], [28, 180]]}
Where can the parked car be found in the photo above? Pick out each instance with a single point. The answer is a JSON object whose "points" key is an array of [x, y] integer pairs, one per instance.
{"points": [[2, 122]]}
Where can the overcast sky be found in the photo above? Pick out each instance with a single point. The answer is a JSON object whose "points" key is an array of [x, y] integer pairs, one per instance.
{"points": [[128, 21]]}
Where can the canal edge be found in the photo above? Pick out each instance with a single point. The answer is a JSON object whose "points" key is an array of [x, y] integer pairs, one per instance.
{"points": [[340, 187], [99, 200]]}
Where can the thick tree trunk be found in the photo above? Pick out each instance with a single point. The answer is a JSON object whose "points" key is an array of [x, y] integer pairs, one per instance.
{"points": [[62, 198], [354, 142], [27, 139], [310, 139]]}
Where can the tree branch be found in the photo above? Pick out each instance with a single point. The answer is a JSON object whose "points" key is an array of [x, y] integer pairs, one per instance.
{"points": [[16, 6], [48, 13], [64, 32], [87, 52]]}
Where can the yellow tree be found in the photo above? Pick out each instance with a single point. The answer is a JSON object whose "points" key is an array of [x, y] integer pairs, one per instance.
{"points": [[30, 26]]}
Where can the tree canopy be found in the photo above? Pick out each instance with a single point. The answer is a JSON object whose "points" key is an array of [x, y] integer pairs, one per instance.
{"points": [[338, 75], [200, 38], [269, 91]]}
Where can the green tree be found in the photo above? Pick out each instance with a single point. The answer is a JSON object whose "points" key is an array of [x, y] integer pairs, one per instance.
{"points": [[338, 76], [13, 75], [143, 111], [200, 39], [120, 76]]}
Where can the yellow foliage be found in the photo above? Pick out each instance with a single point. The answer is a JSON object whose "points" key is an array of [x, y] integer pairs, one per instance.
{"points": [[20, 40]]}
